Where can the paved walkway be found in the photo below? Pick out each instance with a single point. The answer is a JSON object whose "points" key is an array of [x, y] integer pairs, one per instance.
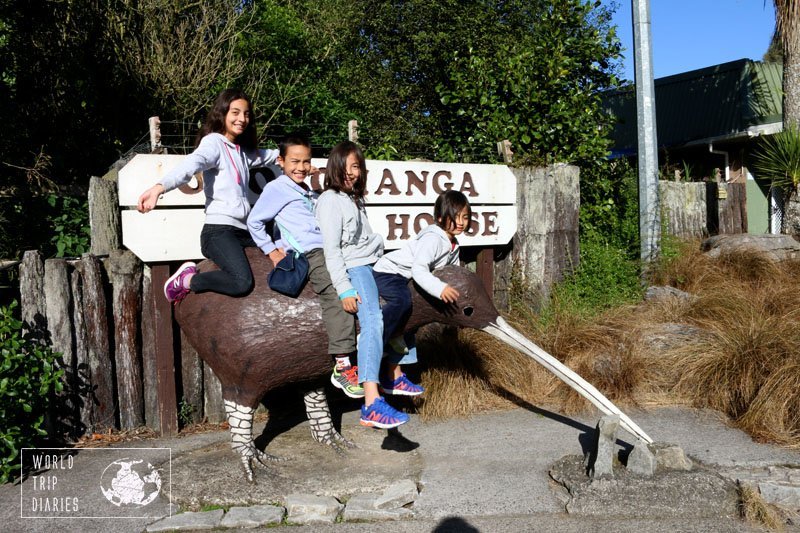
{"points": [[485, 473]]}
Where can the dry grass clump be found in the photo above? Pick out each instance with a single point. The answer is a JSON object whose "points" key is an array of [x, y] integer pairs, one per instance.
{"points": [[746, 364], [753, 508], [454, 375], [733, 346], [470, 371]]}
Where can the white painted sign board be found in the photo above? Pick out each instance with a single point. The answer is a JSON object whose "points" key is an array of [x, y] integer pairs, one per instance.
{"points": [[400, 198]]}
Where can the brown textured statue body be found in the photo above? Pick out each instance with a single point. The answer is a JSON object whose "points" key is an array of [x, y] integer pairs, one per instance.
{"points": [[264, 340]]}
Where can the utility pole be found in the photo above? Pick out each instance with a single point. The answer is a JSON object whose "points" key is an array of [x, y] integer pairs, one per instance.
{"points": [[649, 208]]}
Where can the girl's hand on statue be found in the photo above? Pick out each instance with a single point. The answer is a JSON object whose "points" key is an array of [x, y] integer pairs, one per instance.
{"points": [[351, 304], [276, 255], [149, 198], [449, 295]]}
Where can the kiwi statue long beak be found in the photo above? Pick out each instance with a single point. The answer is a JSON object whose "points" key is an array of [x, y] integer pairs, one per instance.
{"points": [[502, 331]]}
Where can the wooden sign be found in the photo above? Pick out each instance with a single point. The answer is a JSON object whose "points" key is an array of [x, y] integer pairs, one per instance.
{"points": [[400, 198]]}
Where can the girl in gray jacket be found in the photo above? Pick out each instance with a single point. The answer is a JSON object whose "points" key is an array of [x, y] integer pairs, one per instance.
{"points": [[225, 153], [351, 248]]}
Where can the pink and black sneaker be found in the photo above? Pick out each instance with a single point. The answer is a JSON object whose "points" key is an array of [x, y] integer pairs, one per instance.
{"points": [[175, 289]]}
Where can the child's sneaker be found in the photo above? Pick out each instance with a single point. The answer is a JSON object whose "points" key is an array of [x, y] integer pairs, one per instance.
{"points": [[398, 344], [174, 288], [401, 386], [347, 380], [381, 415]]}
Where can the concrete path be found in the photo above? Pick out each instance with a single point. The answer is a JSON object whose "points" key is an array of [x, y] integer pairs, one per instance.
{"points": [[485, 473]]}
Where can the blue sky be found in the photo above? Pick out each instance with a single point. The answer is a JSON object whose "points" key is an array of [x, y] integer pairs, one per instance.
{"points": [[691, 34]]}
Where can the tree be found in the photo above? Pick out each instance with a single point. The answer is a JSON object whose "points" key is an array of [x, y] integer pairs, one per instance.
{"points": [[787, 26], [449, 78], [540, 89], [180, 52]]}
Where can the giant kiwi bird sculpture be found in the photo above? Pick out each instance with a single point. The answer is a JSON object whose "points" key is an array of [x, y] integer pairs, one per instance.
{"points": [[263, 340]]}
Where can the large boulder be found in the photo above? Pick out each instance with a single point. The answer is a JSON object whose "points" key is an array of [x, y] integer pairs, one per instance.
{"points": [[774, 247]]}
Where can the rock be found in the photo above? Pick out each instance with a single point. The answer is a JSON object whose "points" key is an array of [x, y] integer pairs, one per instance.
{"points": [[606, 449], [641, 460], [307, 508], [665, 293], [255, 516], [362, 507], [188, 521], [397, 495], [781, 494], [671, 457], [658, 338], [773, 247], [698, 494]]}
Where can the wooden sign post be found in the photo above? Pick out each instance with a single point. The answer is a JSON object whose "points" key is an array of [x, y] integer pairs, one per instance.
{"points": [[400, 198]]}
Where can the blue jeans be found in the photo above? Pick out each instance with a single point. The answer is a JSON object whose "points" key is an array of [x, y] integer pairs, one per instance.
{"points": [[396, 309], [225, 246], [370, 319]]}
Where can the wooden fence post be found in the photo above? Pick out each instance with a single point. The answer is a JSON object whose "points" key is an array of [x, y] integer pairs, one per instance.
{"points": [[126, 277], [104, 216], [31, 292], [352, 130], [58, 303], [155, 134], [546, 246], [149, 366], [192, 381], [213, 406], [83, 378], [165, 355], [484, 268], [98, 346]]}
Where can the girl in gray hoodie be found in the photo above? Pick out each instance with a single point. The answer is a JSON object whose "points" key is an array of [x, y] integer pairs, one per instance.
{"points": [[226, 151], [433, 247]]}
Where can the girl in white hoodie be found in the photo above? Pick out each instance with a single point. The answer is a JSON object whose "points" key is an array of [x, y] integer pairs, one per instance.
{"points": [[226, 151], [434, 247]]}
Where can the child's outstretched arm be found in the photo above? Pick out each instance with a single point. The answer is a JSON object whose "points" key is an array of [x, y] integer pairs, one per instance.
{"points": [[149, 198], [204, 157], [261, 157]]}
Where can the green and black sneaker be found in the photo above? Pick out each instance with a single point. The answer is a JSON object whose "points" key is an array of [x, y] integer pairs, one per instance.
{"points": [[347, 380]]}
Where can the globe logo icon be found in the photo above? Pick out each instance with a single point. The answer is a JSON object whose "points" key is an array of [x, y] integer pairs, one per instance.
{"points": [[129, 483]]}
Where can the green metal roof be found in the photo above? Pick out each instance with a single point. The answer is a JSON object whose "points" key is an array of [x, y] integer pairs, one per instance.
{"points": [[705, 104]]}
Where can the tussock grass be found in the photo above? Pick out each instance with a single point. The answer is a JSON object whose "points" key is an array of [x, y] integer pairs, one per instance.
{"points": [[734, 346], [755, 510]]}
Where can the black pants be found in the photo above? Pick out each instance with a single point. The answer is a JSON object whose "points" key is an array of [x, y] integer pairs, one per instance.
{"points": [[225, 246]]}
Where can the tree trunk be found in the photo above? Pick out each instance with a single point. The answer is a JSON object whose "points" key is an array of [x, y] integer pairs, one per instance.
{"points": [[787, 13]]}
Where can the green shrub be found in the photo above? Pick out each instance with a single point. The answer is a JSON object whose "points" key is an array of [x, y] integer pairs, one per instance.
{"points": [[610, 204], [606, 278], [30, 377], [70, 222]]}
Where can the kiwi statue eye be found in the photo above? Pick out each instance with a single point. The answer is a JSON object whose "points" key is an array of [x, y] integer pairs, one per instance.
{"points": [[468, 310]]}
